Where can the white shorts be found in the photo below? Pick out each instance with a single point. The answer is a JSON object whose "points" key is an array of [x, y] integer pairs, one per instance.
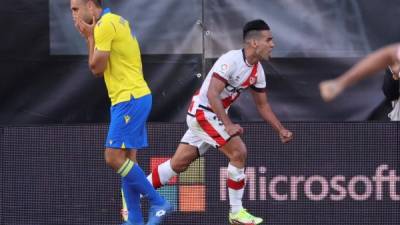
{"points": [[205, 131]]}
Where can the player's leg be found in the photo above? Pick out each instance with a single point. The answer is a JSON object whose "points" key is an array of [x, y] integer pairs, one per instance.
{"points": [[128, 123], [212, 131], [236, 151], [136, 180], [116, 159], [185, 154]]}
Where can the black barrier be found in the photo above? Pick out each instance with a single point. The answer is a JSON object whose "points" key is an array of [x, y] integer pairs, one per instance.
{"points": [[44, 81], [332, 173], [1, 175]]}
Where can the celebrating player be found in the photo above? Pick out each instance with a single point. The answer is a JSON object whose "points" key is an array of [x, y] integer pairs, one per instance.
{"points": [[208, 121]]}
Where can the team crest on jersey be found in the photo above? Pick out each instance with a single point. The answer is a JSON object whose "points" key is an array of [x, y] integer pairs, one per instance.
{"points": [[252, 80]]}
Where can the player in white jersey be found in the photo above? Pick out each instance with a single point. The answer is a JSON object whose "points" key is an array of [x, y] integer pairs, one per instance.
{"points": [[208, 121], [388, 56]]}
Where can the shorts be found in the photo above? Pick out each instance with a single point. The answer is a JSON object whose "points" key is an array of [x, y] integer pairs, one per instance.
{"points": [[128, 124], [205, 131]]}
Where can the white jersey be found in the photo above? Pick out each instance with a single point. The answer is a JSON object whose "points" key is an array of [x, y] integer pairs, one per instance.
{"points": [[236, 73]]}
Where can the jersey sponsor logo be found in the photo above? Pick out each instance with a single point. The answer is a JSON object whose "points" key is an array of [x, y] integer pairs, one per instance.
{"points": [[237, 78]]}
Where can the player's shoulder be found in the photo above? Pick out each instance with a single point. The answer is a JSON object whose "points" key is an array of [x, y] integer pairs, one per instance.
{"points": [[111, 20], [109, 17], [232, 56]]}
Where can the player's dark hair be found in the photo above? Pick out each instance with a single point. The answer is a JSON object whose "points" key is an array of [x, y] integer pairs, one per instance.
{"points": [[254, 25], [98, 3]]}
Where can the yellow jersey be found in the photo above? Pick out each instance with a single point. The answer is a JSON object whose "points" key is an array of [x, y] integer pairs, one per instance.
{"points": [[124, 73]]}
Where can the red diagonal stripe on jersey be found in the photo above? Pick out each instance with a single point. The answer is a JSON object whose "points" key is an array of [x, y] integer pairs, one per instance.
{"points": [[253, 75], [226, 102], [208, 128]]}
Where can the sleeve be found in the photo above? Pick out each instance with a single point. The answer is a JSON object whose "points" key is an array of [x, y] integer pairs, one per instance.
{"points": [[261, 84], [390, 86], [104, 33], [223, 68]]}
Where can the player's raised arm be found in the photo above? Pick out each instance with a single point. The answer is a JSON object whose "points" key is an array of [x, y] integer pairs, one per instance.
{"points": [[373, 63]]}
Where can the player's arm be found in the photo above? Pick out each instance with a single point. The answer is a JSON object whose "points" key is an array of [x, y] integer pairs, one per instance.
{"points": [[217, 85], [261, 100], [373, 63], [98, 42], [97, 59]]}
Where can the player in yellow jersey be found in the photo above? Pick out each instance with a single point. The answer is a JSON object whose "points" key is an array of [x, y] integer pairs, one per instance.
{"points": [[114, 53]]}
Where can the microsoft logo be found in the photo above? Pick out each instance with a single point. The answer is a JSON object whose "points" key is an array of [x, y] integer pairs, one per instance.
{"points": [[186, 192]]}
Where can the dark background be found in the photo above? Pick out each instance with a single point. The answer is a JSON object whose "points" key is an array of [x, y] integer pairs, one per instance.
{"points": [[39, 87]]}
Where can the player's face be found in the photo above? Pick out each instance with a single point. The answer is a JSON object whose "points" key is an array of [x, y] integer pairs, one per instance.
{"points": [[80, 9], [265, 44]]}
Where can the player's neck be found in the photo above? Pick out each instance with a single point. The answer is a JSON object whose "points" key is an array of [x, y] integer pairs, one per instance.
{"points": [[98, 12], [250, 57]]}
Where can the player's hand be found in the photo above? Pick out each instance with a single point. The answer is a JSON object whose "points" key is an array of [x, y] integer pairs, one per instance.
{"points": [[395, 71], [396, 76], [330, 89], [234, 129], [76, 25], [85, 29], [285, 135]]}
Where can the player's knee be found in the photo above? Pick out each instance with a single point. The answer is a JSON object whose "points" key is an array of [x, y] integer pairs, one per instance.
{"points": [[183, 157], [109, 161], [239, 155], [113, 160]]}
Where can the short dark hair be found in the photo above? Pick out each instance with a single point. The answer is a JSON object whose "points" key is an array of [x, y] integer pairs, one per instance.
{"points": [[98, 3], [254, 25]]}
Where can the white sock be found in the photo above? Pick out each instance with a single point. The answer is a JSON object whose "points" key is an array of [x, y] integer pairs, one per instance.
{"points": [[236, 184], [161, 174]]}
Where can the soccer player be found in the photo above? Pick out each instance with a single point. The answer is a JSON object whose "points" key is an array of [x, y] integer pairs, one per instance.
{"points": [[374, 62], [208, 121], [114, 53]]}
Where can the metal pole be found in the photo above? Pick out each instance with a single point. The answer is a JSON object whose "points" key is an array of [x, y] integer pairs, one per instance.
{"points": [[204, 30]]}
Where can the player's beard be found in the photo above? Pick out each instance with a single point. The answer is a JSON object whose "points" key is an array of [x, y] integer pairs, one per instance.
{"points": [[87, 17], [264, 55], [267, 56]]}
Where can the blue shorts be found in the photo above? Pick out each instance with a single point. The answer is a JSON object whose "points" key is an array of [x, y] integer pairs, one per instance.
{"points": [[128, 124]]}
